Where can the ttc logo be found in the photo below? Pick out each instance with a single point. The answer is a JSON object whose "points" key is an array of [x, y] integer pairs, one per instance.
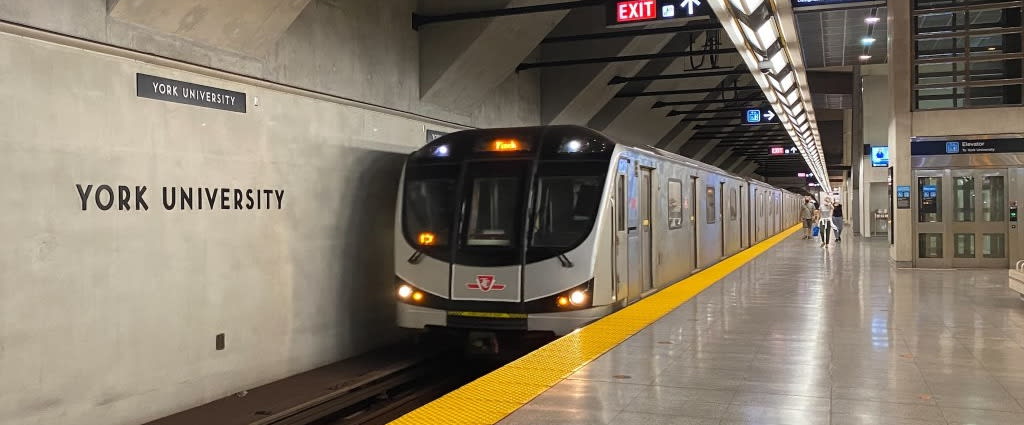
{"points": [[485, 283]]}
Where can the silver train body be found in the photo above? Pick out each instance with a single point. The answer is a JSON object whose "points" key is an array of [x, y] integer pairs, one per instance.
{"points": [[549, 228]]}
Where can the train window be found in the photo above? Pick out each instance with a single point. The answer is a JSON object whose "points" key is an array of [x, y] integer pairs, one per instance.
{"points": [[493, 211], [620, 200], [734, 199], [565, 210], [675, 204], [710, 211], [427, 209]]}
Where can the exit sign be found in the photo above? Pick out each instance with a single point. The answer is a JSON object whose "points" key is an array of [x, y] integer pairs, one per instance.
{"points": [[633, 12], [778, 150]]}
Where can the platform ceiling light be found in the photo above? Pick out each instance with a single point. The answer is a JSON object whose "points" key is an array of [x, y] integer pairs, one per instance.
{"points": [[867, 41], [864, 57], [764, 33], [871, 20]]}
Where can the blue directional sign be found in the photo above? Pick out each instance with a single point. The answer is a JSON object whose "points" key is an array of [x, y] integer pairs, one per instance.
{"points": [[952, 147], [879, 156], [763, 115]]}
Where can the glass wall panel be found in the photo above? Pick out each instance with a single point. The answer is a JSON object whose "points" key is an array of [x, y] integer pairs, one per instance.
{"points": [[993, 198], [963, 245], [929, 245], [993, 245], [963, 198], [929, 199]]}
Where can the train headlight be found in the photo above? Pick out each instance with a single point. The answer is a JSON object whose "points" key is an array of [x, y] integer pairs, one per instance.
{"points": [[578, 297], [405, 291]]}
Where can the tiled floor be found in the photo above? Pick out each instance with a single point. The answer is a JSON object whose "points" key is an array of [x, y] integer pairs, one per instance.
{"points": [[805, 335]]}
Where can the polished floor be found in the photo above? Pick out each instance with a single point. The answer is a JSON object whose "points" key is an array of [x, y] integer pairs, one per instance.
{"points": [[810, 335]]}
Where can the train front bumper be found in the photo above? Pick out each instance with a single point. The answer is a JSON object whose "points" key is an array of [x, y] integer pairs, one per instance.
{"points": [[561, 322]]}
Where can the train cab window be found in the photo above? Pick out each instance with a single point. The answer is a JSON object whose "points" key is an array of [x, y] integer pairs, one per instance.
{"points": [[710, 211], [565, 210], [675, 204], [493, 211], [427, 211]]}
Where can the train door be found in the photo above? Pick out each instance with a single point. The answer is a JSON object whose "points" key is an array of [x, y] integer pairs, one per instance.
{"points": [[721, 217], [741, 195], [694, 228], [620, 248], [646, 237]]}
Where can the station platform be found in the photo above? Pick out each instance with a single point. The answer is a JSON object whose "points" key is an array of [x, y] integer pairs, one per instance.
{"points": [[800, 334]]}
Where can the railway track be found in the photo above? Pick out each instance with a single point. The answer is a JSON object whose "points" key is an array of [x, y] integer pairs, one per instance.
{"points": [[370, 389]]}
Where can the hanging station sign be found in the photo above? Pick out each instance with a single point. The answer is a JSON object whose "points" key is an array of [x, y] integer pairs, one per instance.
{"points": [[631, 12], [961, 147]]}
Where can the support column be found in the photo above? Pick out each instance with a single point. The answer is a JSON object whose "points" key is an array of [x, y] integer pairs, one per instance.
{"points": [[857, 149], [900, 39]]}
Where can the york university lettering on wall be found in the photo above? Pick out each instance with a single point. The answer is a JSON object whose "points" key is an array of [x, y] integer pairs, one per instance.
{"points": [[106, 197], [160, 88]]}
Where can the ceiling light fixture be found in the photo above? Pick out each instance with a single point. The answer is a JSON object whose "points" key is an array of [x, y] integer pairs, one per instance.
{"points": [[864, 57], [867, 41], [870, 20]]}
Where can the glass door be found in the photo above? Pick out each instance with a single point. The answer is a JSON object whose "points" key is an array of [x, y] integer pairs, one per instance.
{"points": [[930, 249], [961, 218]]}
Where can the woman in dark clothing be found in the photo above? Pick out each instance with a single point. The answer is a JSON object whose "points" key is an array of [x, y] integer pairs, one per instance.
{"points": [[837, 220]]}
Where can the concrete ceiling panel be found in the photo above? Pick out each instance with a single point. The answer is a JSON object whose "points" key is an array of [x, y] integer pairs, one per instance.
{"points": [[249, 27], [461, 63]]}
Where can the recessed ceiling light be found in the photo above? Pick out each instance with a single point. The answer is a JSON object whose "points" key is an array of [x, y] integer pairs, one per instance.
{"points": [[867, 40], [864, 57], [991, 48], [872, 19]]}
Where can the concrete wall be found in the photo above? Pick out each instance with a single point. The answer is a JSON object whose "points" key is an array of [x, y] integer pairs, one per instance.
{"points": [[359, 49], [110, 317]]}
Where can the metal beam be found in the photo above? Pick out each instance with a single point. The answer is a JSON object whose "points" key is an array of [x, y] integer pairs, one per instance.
{"points": [[739, 124], [620, 79], [421, 20], [660, 104], [704, 26], [676, 112], [622, 58], [689, 91]]}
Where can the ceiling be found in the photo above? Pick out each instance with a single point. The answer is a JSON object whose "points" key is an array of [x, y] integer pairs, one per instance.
{"points": [[833, 38]]}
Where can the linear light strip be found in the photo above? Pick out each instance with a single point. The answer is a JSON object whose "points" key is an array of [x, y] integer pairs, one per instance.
{"points": [[758, 28]]}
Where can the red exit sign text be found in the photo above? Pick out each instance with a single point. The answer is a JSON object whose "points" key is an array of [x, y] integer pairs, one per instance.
{"points": [[636, 10]]}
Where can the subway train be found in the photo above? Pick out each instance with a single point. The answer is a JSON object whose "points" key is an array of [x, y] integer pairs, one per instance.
{"points": [[548, 228]]}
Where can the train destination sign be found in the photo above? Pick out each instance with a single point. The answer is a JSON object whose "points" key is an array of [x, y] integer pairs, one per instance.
{"points": [[630, 12], [764, 115], [961, 147], [169, 90]]}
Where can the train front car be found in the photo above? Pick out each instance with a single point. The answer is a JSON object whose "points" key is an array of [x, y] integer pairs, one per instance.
{"points": [[497, 230]]}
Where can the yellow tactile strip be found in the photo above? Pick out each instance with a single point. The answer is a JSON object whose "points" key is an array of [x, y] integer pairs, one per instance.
{"points": [[493, 396]]}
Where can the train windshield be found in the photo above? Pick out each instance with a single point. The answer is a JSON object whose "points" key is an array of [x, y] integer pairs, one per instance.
{"points": [[429, 210], [493, 211], [565, 205], [565, 209]]}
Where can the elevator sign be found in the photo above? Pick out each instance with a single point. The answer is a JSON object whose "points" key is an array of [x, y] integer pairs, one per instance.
{"points": [[629, 12]]}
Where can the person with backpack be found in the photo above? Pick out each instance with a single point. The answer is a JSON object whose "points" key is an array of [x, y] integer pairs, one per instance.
{"points": [[825, 222], [807, 217]]}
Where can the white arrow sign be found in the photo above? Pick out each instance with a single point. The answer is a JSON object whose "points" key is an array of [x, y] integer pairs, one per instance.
{"points": [[689, 5], [769, 115]]}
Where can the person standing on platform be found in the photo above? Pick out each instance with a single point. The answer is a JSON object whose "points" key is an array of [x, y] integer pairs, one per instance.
{"points": [[826, 220], [807, 216], [837, 220]]}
